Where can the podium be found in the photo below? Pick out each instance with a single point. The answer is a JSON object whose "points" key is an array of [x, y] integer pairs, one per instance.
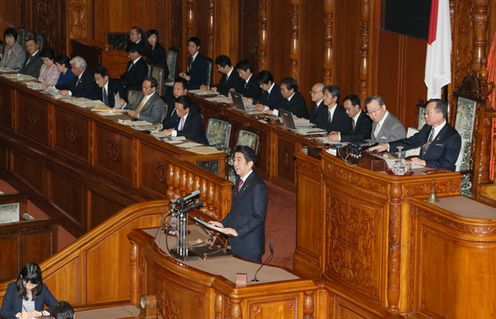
{"points": [[99, 53]]}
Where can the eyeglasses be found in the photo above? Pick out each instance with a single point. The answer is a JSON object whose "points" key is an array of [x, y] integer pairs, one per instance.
{"points": [[370, 113]]}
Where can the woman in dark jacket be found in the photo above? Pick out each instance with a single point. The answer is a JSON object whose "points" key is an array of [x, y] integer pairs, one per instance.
{"points": [[27, 294], [156, 53]]}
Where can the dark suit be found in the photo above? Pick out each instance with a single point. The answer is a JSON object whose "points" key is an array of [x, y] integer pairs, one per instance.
{"points": [[272, 99], [341, 122], [296, 105], [154, 110], [133, 78], [443, 150], [252, 88], [143, 46], [85, 86], [319, 115], [12, 302], [362, 129], [247, 217], [33, 67], [192, 129], [198, 72], [233, 82], [114, 87]]}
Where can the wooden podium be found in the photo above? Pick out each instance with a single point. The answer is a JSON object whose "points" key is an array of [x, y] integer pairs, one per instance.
{"points": [[99, 53], [353, 226]]}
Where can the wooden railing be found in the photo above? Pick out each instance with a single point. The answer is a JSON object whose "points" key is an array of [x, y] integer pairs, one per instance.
{"points": [[95, 269]]}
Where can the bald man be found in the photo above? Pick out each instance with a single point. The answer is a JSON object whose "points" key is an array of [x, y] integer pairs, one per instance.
{"points": [[318, 114]]}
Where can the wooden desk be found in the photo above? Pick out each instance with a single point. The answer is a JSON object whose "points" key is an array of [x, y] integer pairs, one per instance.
{"points": [[352, 226], [452, 257], [88, 166], [189, 290], [99, 53], [275, 160]]}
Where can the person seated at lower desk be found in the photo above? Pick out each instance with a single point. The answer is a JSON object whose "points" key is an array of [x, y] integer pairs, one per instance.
{"points": [[148, 106], [440, 143], [271, 92], [292, 100], [83, 84], [62, 310], [185, 122], [27, 295], [245, 222], [361, 122], [108, 87]]}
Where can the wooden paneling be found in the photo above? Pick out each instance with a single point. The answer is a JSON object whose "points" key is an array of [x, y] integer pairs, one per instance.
{"points": [[284, 163], [100, 208], [249, 32], [29, 171], [5, 107], [10, 247], [278, 39], [72, 134], [32, 119], [10, 14]]}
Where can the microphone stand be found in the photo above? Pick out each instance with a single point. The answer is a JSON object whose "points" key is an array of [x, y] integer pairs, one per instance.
{"points": [[265, 263]]}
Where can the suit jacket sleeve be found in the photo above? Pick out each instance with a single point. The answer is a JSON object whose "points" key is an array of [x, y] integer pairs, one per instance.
{"points": [[193, 129], [8, 305], [416, 140], [259, 204], [451, 152], [199, 74], [48, 298], [362, 132], [153, 112]]}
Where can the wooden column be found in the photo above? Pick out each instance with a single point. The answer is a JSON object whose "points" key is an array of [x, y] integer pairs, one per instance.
{"points": [[210, 29], [363, 85], [189, 18], [394, 244], [294, 50], [263, 35], [135, 291], [329, 9], [308, 305]]}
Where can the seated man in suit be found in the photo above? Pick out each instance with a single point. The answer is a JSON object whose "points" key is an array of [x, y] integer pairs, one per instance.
{"points": [[32, 64], [440, 142], [83, 84], [336, 119], [245, 222], [149, 106], [250, 87], [385, 127], [136, 70], [292, 100], [319, 113], [108, 87], [197, 73], [271, 92], [185, 122], [361, 122], [230, 78]]}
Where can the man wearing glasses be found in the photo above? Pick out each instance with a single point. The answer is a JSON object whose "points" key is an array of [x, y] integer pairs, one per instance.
{"points": [[318, 115], [361, 123], [385, 127]]}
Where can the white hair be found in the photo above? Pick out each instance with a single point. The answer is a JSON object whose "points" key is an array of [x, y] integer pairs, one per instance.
{"points": [[79, 62]]}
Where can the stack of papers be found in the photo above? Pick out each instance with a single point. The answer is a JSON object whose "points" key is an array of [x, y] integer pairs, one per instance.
{"points": [[35, 86], [19, 77], [190, 145], [82, 102], [220, 99], [204, 93], [205, 150], [6, 70]]}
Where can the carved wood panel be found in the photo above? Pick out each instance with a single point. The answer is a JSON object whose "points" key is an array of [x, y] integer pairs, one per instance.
{"points": [[72, 134], [250, 29], [32, 120], [28, 171], [5, 107]]}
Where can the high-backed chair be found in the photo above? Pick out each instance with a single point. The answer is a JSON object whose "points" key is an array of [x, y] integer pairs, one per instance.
{"points": [[158, 73], [218, 133], [171, 65], [248, 138], [132, 96], [209, 72], [41, 41], [21, 36]]}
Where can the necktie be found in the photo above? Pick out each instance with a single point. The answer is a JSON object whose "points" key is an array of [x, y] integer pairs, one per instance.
{"points": [[330, 117], [377, 130], [141, 105], [240, 184], [78, 81], [429, 141], [246, 84], [131, 66], [353, 124], [105, 96], [181, 124], [29, 60], [190, 62]]}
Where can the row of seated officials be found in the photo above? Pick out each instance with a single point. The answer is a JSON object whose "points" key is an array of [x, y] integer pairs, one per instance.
{"points": [[440, 143], [27, 298]]}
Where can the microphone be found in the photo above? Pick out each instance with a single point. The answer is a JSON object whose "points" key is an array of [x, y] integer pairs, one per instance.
{"points": [[195, 205], [271, 248], [188, 197]]}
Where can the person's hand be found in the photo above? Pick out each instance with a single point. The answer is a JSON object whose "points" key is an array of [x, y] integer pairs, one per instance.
{"points": [[64, 92], [167, 132], [417, 161], [230, 231], [122, 102], [213, 88], [333, 136], [378, 148], [216, 224], [184, 76], [249, 100], [204, 87], [268, 112], [260, 107], [132, 113]]}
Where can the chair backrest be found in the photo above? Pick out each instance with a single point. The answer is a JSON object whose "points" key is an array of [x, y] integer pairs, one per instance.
{"points": [[248, 138], [171, 65], [464, 124], [41, 41], [209, 72], [218, 133], [118, 40], [21, 36], [158, 73], [414, 151], [132, 96]]}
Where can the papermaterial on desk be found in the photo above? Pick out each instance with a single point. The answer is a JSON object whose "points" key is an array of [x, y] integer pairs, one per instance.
{"points": [[189, 144], [204, 92], [6, 70], [220, 99], [35, 86], [83, 102], [204, 150], [133, 123], [19, 77]]}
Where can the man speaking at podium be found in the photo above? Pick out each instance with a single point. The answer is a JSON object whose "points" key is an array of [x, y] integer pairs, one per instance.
{"points": [[245, 222]]}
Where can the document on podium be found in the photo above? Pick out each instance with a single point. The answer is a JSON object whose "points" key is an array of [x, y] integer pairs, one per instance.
{"points": [[207, 225]]}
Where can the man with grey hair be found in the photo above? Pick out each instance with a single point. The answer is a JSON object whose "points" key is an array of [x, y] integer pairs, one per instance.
{"points": [[84, 84], [385, 127]]}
